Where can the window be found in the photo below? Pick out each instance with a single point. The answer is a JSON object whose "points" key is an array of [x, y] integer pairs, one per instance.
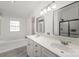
{"points": [[14, 26]]}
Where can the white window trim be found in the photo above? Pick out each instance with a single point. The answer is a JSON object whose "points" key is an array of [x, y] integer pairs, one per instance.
{"points": [[15, 25]]}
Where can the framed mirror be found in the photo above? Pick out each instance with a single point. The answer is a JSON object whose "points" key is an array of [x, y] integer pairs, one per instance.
{"points": [[40, 24]]}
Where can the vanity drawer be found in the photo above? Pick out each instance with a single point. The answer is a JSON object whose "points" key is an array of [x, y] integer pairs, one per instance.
{"points": [[37, 53], [30, 48], [37, 46], [37, 50]]}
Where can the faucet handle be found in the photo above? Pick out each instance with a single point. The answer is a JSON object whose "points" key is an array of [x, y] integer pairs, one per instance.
{"points": [[68, 42], [65, 42]]}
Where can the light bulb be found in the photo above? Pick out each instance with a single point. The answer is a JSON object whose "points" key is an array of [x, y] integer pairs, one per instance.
{"points": [[54, 6], [12, 1], [41, 13], [48, 9], [44, 11]]}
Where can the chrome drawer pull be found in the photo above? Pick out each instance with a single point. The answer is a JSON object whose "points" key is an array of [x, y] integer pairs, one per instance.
{"points": [[28, 44], [36, 45], [36, 51], [62, 51]]}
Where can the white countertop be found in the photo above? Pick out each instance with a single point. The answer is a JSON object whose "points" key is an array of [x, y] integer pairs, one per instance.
{"points": [[55, 46]]}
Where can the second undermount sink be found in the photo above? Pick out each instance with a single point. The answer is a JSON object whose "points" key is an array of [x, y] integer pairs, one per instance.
{"points": [[63, 48]]}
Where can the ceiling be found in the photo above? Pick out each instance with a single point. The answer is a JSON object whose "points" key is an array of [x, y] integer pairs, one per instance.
{"points": [[23, 9], [61, 4]]}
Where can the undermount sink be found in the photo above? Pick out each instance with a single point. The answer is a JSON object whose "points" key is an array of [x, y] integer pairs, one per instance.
{"points": [[63, 48]]}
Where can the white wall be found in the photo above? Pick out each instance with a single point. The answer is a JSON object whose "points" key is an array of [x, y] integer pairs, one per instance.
{"points": [[29, 21], [5, 29], [49, 22], [56, 23], [48, 17], [29, 26]]}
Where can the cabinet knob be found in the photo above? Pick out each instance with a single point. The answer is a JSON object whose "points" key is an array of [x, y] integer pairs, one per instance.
{"points": [[36, 51], [28, 44], [62, 51], [25, 37], [36, 45]]}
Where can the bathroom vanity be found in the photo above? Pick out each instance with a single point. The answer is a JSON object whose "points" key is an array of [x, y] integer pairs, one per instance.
{"points": [[51, 46], [34, 49]]}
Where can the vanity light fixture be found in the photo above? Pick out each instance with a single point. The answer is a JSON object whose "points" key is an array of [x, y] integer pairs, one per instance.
{"points": [[41, 13], [12, 1], [49, 7]]}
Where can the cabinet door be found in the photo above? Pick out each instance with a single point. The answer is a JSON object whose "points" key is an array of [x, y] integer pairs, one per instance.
{"points": [[37, 53], [30, 48], [33, 49], [37, 50], [70, 12]]}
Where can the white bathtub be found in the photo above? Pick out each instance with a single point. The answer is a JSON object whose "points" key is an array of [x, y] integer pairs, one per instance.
{"points": [[6, 45]]}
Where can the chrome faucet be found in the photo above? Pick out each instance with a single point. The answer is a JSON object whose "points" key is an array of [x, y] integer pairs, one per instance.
{"points": [[65, 42]]}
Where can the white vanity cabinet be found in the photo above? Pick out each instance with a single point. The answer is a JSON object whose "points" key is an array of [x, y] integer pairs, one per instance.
{"points": [[33, 49], [30, 49], [70, 12], [36, 50]]}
